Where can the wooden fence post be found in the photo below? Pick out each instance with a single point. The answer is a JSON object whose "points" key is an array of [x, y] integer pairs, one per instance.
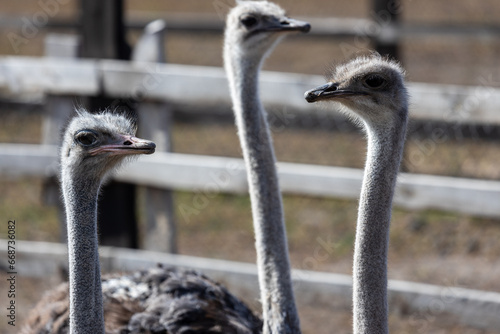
{"points": [[387, 15], [103, 36], [58, 109], [155, 120], [103, 30], [160, 230]]}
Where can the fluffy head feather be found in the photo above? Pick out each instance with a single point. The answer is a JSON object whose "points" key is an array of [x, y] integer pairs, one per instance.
{"points": [[94, 144], [369, 88], [253, 28]]}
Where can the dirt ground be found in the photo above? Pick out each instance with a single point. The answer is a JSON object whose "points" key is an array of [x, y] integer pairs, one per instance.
{"points": [[426, 246]]}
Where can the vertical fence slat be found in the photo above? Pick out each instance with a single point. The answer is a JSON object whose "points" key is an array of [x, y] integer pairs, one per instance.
{"points": [[103, 36], [155, 123], [160, 231], [58, 109], [386, 15]]}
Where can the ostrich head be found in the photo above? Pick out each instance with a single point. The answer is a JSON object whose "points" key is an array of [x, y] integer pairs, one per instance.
{"points": [[94, 144], [256, 26], [370, 88]]}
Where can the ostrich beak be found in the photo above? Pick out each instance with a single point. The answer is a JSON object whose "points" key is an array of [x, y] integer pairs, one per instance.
{"points": [[288, 24], [126, 145], [329, 91]]}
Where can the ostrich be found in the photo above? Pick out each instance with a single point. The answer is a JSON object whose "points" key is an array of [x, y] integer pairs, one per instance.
{"points": [[371, 90], [92, 146], [158, 300], [253, 28]]}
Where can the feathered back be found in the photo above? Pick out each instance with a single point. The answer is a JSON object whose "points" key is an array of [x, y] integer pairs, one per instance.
{"points": [[158, 300]]}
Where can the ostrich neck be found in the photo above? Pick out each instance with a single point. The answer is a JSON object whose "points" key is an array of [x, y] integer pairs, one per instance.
{"points": [[372, 233], [86, 310], [279, 311]]}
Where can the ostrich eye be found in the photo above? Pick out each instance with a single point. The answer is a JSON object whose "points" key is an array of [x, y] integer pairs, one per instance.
{"points": [[249, 21], [86, 138], [374, 81]]}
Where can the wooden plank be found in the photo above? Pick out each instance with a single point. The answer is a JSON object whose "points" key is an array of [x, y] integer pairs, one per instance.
{"points": [[102, 30], [58, 110], [208, 174], [19, 160], [472, 307], [208, 85], [155, 120], [466, 196], [62, 45], [331, 27], [103, 36], [386, 16], [416, 192], [198, 22], [35, 76], [328, 27], [155, 123]]}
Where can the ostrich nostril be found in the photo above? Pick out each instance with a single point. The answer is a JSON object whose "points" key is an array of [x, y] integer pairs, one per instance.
{"points": [[128, 143], [331, 87], [284, 23], [306, 28]]}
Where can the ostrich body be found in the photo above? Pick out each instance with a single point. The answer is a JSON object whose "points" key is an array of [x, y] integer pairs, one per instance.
{"points": [[253, 28], [158, 300], [372, 91]]}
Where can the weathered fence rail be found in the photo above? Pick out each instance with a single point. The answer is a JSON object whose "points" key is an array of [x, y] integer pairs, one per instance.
{"points": [[475, 308], [321, 27], [208, 174], [198, 85]]}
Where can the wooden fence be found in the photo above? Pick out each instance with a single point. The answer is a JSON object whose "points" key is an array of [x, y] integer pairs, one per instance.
{"points": [[35, 77], [32, 78], [157, 85]]}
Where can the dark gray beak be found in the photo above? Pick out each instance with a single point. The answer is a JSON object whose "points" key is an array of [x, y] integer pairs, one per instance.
{"points": [[288, 24], [329, 91]]}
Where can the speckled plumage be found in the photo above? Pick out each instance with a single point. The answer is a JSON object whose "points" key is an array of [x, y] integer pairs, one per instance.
{"points": [[154, 301]]}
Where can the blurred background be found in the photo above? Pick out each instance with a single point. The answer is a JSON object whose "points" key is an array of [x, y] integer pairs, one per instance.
{"points": [[438, 42]]}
